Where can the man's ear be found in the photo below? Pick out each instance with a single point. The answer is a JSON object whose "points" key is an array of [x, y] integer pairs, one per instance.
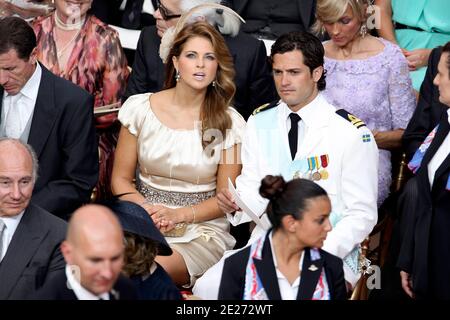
{"points": [[66, 250], [33, 56], [317, 73]]}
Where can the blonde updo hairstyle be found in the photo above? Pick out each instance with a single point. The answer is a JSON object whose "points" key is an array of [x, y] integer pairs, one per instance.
{"points": [[330, 11]]}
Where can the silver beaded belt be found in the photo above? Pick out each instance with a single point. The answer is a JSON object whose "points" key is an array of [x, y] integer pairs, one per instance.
{"points": [[172, 198]]}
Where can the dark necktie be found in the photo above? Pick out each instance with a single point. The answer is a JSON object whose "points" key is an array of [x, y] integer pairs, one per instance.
{"points": [[293, 133], [131, 18]]}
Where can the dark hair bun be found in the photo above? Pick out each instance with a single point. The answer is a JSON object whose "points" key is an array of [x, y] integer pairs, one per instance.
{"points": [[272, 186]]}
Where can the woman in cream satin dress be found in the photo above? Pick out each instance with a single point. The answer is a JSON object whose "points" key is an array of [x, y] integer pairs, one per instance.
{"points": [[168, 136]]}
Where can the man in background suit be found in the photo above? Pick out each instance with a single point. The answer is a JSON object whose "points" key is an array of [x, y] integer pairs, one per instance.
{"points": [[254, 83], [429, 110], [425, 251], [53, 115], [428, 113], [128, 14], [94, 253], [29, 236], [268, 19]]}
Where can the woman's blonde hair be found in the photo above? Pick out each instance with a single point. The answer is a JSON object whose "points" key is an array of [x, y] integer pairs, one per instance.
{"points": [[330, 11], [219, 94]]}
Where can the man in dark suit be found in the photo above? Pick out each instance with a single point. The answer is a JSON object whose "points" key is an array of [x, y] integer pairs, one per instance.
{"points": [[107, 10], [425, 252], [29, 236], [94, 253], [268, 19], [129, 16], [53, 115], [429, 110], [254, 83]]}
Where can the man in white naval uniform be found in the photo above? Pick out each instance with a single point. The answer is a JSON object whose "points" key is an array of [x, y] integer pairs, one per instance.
{"points": [[318, 142]]}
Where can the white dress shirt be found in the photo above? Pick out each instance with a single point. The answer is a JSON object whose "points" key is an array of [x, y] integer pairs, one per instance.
{"points": [[439, 156], [80, 292], [11, 224], [287, 291], [23, 102], [147, 7]]}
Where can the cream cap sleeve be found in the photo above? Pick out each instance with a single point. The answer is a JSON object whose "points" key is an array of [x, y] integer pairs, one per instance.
{"points": [[134, 111], [234, 135]]}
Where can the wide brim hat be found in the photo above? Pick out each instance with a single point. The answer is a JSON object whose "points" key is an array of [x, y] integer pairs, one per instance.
{"points": [[136, 220], [214, 11]]}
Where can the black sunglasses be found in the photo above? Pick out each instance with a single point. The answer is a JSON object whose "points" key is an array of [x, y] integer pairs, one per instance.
{"points": [[165, 12]]}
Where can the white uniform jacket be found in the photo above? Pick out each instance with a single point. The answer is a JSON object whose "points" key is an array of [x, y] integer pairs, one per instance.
{"points": [[351, 154]]}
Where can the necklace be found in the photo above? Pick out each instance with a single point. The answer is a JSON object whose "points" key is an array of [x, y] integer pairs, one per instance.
{"points": [[61, 51], [68, 26]]}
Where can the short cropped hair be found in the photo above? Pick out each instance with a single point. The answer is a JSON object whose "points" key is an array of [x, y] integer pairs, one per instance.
{"points": [[308, 44], [17, 34]]}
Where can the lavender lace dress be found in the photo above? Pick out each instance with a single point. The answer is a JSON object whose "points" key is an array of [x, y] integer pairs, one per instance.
{"points": [[377, 90]]}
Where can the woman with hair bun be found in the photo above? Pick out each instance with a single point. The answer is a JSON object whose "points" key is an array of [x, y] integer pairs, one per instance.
{"points": [[287, 263]]}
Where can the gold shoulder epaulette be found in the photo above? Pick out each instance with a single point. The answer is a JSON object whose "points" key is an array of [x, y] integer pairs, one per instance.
{"points": [[265, 107], [358, 123]]}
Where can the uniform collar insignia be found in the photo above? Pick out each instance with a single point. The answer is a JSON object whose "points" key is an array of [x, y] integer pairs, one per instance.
{"points": [[313, 268]]}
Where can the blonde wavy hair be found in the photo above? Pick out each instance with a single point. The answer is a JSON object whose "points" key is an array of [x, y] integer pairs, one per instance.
{"points": [[218, 97], [330, 11]]}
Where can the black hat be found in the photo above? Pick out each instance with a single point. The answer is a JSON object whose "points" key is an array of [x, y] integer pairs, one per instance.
{"points": [[136, 220]]}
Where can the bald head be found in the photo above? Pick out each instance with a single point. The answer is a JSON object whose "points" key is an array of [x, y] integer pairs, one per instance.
{"points": [[94, 245], [17, 151], [95, 223]]}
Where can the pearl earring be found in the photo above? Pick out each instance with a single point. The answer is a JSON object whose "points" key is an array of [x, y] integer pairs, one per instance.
{"points": [[177, 76]]}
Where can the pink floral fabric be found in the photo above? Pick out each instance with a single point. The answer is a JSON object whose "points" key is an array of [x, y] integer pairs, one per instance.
{"points": [[97, 62]]}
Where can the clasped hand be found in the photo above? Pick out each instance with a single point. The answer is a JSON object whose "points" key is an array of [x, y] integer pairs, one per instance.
{"points": [[164, 218]]}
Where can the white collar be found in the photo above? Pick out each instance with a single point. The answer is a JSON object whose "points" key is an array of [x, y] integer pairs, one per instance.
{"points": [[31, 87], [153, 268], [275, 263], [12, 222], [448, 114], [80, 292], [314, 114]]}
